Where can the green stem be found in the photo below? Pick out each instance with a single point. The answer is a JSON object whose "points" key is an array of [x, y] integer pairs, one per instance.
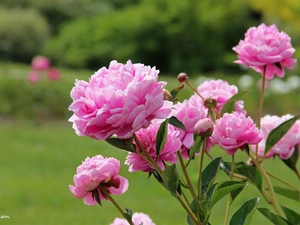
{"points": [[193, 89], [188, 210], [108, 196], [283, 181], [229, 196], [200, 167]]}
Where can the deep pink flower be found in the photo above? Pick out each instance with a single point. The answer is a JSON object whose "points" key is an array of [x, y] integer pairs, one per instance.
{"points": [[234, 131], [118, 100], [221, 91], [285, 147], [137, 219], [53, 74], [147, 137], [40, 63], [97, 171], [266, 49], [33, 77]]}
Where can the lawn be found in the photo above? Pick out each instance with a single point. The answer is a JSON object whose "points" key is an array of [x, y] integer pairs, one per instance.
{"points": [[39, 161]]}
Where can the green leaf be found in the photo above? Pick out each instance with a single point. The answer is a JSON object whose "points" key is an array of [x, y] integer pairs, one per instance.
{"points": [[277, 220], [175, 91], [276, 134], [95, 196], [196, 148], [229, 106], [125, 144], [128, 214], [291, 215], [161, 137], [176, 123], [224, 188], [203, 206], [291, 194], [252, 173], [292, 161], [209, 174], [245, 213], [237, 191], [170, 178]]}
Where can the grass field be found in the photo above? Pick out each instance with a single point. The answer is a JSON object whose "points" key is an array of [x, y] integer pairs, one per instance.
{"points": [[38, 163]]}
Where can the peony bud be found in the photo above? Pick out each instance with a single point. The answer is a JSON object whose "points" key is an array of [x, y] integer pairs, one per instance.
{"points": [[182, 77], [167, 95], [204, 127], [210, 103]]}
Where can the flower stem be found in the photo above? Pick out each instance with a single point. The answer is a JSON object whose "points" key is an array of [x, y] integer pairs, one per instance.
{"points": [[108, 196], [284, 182], [188, 210], [193, 89], [229, 196], [200, 166]]}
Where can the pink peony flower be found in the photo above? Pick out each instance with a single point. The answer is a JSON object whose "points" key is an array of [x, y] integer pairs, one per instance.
{"points": [[204, 127], [40, 63], [97, 171], [33, 77], [221, 91], [285, 147], [118, 100], [137, 219], [266, 49], [147, 137], [53, 74], [234, 131]]}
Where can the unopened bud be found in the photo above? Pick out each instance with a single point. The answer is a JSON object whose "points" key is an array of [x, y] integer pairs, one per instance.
{"points": [[167, 95], [182, 77], [210, 103], [204, 127]]}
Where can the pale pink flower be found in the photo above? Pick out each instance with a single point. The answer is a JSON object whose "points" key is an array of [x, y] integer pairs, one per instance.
{"points": [[40, 63], [189, 112], [266, 49], [137, 219], [118, 100], [221, 91], [147, 138], [97, 171], [285, 147], [233, 131], [53, 74], [33, 76], [204, 127]]}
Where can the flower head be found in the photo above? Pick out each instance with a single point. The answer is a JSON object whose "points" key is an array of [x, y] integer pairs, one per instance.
{"points": [[204, 127], [53, 74], [265, 49], [118, 100], [285, 147], [40, 63], [94, 172], [33, 76], [147, 138], [234, 131], [137, 219]]}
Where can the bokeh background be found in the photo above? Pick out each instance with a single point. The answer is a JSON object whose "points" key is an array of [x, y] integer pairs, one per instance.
{"points": [[39, 149]]}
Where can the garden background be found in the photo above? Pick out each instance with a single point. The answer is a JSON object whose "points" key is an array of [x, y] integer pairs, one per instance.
{"points": [[39, 149]]}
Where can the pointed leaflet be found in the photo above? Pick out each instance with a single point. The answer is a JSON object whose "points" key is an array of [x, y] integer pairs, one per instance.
{"points": [[229, 106], [125, 144], [243, 213], [161, 137], [175, 92], [209, 174], [291, 215], [291, 194], [95, 196], [196, 148], [202, 203], [224, 188], [277, 220], [128, 214], [170, 178], [176, 123], [292, 161], [276, 134], [237, 191]]}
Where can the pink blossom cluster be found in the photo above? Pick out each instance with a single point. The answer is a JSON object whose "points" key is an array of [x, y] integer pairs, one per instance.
{"points": [[285, 147], [94, 172], [266, 50], [41, 64], [118, 100], [137, 219]]}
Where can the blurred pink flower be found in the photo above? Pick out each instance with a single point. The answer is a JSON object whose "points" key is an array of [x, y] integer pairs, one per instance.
{"points": [[234, 131], [189, 112], [286, 145], [147, 137], [53, 74], [33, 76], [40, 63], [221, 91], [97, 171], [266, 49], [119, 100], [137, 219]]}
